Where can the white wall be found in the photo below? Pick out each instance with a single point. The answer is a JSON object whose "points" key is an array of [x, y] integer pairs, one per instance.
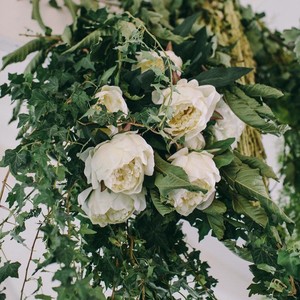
{"points": [[232, 272]]}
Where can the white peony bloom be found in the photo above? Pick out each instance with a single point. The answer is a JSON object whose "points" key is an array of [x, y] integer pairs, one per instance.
{"points": [[196, 142], [148, 60], [120, 163], [109, 208], [229, 126], [192, 106], [201, 171], [111, 97]]}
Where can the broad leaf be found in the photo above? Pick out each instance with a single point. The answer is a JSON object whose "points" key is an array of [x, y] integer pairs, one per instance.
{"points": [[37, 16], [220, 77], [251, 112], [220, 146], [9, 270], [21, 53], [249, 183], [185, 27], [223, 159], [290, 261], [162, 207], [215, 218], [261, 90], [38, 60], [172, 177], [257, 163], [244, 253], [250, 208]]}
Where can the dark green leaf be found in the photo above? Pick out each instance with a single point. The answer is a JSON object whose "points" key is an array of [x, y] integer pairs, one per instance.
{"points": [[185, 27], [261, 90], [220, 77], [290, 261], [9, 270], [223, 159]]}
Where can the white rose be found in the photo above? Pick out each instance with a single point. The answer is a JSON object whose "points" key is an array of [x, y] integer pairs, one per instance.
{"points": [[201, 171], [109, 208], [192, 106], [151, 59], [229, 126], [111, 97], [120, 163]]}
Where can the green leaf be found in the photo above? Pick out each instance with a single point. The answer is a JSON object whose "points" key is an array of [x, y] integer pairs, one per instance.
{"points": [[215, 218], [290, 261], [267, 268], [250, 208], [185, 27], [37, 16], [249, 183], [21, 53], [162, 207], [220, 77], [172, 177], [220, 146], [223, 159], [43, 297], [257, 163], [72, 7], [37, 60], [9, 270], [251, 112], [244, 253], [261, 90], [93, 38]]}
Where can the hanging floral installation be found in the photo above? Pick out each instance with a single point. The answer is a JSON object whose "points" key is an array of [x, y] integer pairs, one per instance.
{"points": [[143, 115]]}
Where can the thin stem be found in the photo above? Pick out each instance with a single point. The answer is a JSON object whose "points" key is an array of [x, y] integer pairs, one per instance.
{"points": [[4, 184], [29, 260]]}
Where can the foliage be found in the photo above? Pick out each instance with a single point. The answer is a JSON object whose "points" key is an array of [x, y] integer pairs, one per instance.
{"points": [[145, 257]]}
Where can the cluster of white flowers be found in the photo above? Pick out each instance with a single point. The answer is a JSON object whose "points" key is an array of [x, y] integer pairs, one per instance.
{"points": [[116, 169]]}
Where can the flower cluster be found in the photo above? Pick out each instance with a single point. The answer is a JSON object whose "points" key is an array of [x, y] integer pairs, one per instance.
{"points": [[116, 168]]}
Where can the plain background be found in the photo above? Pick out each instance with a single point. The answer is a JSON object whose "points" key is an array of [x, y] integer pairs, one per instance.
{"points": [[15, 15]]}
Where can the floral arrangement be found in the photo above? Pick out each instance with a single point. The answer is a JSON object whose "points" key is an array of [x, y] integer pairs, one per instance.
{"points": [[132, 127]]}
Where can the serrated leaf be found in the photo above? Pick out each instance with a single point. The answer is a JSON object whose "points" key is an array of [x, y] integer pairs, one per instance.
{"points": [[21, 53], [290, 261], [250, 208], [37, 60], [172, 177], [257, 163], [220, 77], [261, 90], [9, 270], [162, 208], [249, 183], [90, 40], [244, 253]]}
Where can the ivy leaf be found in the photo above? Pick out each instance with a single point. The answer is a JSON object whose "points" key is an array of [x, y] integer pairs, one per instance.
{"points": [[215, 218], [249, 183], [261, 90], [250, 208], [220, 77], [257, 163], [172, 177], [9, 270], [21, 53]]}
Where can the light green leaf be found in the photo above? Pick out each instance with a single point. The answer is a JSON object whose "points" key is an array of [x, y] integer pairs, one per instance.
{"points": [[216, 208], [250, 208], [21, 53], [72, 7], [249, 183], [290, 261], [162, 207], [166, 34], [266, 268], [223, 159], [244, 253], [261, 90], [38, 60], [257, 163], [251, 112], [220, 146], [9, 270], [37, 16], [172, 177], [220, 77], [90, 40]]}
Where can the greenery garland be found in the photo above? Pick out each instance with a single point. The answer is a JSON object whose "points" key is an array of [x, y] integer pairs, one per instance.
{"points": [[131, 124]]}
